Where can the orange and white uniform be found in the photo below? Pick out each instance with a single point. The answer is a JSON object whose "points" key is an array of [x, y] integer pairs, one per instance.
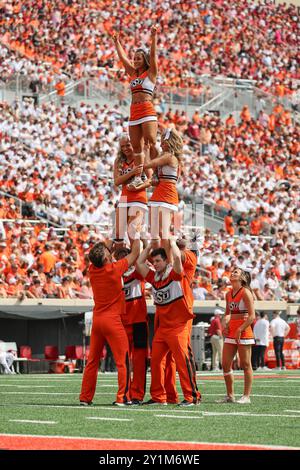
{"points": [[174, 310], [144, 111], [189, 266], [135, 323], [238, 314], [107, 326], [131, 198], [165, 193]]}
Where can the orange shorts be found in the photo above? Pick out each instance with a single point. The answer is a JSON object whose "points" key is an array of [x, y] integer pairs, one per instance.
{"points": [[142, 112], [247, 336], [165, 195]]}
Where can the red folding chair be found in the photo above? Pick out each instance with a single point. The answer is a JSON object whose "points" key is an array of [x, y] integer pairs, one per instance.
{"points": [[51, 353], [70, 352], [26, 353]]}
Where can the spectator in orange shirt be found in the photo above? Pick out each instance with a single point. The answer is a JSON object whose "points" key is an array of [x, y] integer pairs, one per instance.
{"points": [[47, 259], [230, 121], [50, 289], [245, 114], [255, 226], [228, 221], [60, 88]]}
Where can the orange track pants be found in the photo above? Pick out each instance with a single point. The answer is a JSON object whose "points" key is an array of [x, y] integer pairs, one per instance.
{"points": [[175, 340], [111, 329], [139, 359], [170, 370]]}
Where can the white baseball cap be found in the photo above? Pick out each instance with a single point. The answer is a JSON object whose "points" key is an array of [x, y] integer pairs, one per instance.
{"points": [[218, 311]]}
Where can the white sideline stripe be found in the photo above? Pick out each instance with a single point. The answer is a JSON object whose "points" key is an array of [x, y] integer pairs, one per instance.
{"points": [[141, 409], [254, 395], [292, 411], [28, 386], [261, 446], [32, 421], [259, 415], [55, 393], [179, 417], [108, 419]]}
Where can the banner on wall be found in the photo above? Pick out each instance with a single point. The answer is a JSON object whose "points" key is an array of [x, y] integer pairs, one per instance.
{"points": [[291, 351]]}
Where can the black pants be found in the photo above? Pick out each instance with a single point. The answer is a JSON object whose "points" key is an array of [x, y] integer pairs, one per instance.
{"points": [[258, 356], [278, 342]]}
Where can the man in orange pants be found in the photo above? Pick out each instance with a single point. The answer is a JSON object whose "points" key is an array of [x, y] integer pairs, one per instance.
{"points": [[106, 281], [189, 262], [172, 298], [136, 326]]}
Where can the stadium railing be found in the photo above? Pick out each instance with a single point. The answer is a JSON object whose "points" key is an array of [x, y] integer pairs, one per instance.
{"points": [[46, 308]]}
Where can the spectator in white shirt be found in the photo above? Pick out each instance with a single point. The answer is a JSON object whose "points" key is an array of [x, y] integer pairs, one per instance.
{"points": [[6, 359], [199, 293], [261, 334], [279, 330]]}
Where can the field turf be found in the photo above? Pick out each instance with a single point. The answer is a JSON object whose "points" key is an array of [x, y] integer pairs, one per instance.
{"points": [[47, 405]]}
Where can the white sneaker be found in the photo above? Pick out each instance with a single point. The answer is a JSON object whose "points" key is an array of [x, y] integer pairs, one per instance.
{"points": [[283, 368], [226, 399], [244, 400], [135, 183]]}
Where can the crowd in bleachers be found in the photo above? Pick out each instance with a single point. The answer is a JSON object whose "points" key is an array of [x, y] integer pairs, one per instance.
{"points": [[59, 161], [241, 40], [40, 262]]}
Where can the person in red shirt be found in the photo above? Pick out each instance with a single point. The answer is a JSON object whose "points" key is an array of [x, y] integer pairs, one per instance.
{"points": [[174, 308], [135, 321], [109, 299], [216, 339]]}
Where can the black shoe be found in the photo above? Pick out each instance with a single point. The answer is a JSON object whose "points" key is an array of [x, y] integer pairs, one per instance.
{"points": [[153, 402], [86, 403], [135, 401], [122, 403], [186, 403]]}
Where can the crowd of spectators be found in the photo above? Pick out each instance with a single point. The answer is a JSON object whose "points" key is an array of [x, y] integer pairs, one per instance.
{"points": [[43, 262], [59, 161], [240, 39]]}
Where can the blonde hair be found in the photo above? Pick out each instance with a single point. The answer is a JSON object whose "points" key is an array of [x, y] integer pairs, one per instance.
{"points": [[175, 142], [246, 280], [121, 157]]}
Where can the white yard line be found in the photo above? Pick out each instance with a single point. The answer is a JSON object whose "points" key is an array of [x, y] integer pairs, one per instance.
{"points": [[32, 421], [28, 386], [292, 411], [255, 395], [108, 419], [195, 411], [258, 415], [54, 393], [179, 417]]}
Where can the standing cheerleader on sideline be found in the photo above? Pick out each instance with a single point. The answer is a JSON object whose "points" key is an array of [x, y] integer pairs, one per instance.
{"points": [[143, 120], [239, 336], [132, 206], [164, 200]]}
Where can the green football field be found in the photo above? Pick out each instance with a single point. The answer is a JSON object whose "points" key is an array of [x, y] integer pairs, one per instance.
{"points": [[47, 405]]}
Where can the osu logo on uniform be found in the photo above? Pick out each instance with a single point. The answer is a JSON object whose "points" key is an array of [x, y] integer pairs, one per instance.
{"points": [[161, 297], [233, 306], [136, 81]]}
